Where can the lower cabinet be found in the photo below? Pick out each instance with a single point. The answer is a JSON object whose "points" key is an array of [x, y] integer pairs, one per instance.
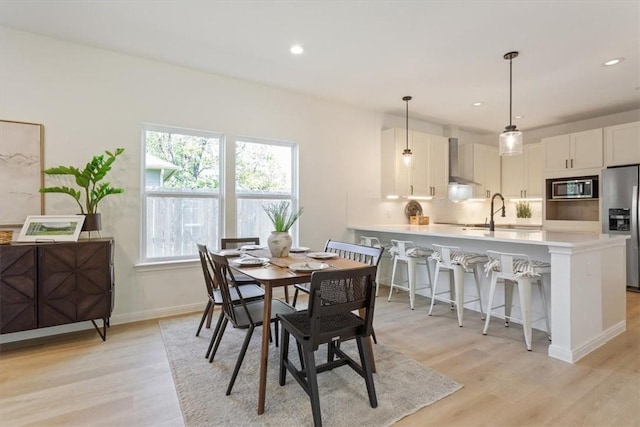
{"points": [[50, 284]]}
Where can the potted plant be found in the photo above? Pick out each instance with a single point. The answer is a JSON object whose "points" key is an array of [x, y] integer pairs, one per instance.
{"points": [[282, 218], [523, 210], [91, 191]]}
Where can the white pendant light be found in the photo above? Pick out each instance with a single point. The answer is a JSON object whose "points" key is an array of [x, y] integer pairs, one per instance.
{"points": [[511, 138], [407, 154]]}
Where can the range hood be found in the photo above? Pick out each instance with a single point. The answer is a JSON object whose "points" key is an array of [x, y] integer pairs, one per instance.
{"points": [[460, 188]]}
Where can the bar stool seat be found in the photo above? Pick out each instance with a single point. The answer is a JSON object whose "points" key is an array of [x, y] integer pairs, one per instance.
{"points": [[458, 262], [516, 268], [405, 251]]}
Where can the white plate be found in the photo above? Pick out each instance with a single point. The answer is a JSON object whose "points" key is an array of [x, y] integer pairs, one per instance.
{"points": [[299, 249], [322, 255], [308, 266], [251, 247], [251, 262], [230, 253]]}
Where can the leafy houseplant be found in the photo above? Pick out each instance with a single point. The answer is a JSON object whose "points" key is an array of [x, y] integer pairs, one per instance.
{"points": [[523, 210], [282, 219], [88, 179]]}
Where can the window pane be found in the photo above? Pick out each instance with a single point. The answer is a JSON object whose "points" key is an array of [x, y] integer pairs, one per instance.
{"points": [[253, 220], [263, 168], [175, 225]]}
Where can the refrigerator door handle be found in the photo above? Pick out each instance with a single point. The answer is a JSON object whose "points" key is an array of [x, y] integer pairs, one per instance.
{"points": [[635, 212]]}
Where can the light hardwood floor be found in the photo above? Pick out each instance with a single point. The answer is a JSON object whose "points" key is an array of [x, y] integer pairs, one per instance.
{"points": [[78, 380]]}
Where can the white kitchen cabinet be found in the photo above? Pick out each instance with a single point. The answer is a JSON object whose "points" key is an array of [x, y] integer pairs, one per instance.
{"points": [[522, 174], [622, 144], [480, 163], [580, 150], [428, 173]]}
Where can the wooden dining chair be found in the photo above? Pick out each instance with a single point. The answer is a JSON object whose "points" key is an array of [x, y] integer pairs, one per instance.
{"points": [[241, 313], [238, 242], [335, 296]]}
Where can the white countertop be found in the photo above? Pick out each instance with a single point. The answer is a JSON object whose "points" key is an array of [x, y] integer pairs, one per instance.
{"points": [[533, 237]]}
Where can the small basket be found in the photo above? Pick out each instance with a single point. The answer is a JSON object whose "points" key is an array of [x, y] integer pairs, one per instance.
{"points": [[419, 220], [6, 236]]}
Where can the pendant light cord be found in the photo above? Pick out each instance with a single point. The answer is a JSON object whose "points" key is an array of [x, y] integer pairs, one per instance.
{"points": [[510, 91], [407, 124]]}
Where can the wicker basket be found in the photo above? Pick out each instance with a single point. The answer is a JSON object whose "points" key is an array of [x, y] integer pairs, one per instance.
{"points": [[6, 236]]}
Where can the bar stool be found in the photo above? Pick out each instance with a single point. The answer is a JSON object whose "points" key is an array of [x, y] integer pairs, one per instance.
{"points": [[520, 269], [458, 263], [405, 251], [374, 242]]}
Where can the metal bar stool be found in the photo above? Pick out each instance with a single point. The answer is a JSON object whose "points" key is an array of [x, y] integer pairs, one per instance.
{"points": [[405, 251], [373, 242], [458, 263], [520, 269]]}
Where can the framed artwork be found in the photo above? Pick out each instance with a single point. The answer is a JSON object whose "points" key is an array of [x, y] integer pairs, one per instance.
{"points": [[51, 228], [21, 165]]}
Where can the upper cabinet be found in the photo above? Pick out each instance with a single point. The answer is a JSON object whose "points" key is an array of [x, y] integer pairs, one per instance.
{"points": [[428, 173], [622, 144], [480, 163], [522, 174], [580, 150]]}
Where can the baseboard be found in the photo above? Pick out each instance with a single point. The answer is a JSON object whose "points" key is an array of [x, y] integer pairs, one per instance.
{"points": [[572, 356]]}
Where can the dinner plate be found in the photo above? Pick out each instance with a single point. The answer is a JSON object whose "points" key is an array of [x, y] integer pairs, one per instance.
{"points": [[250, 262], [308, 266], [322, 255], [299, 249], [230, 253], [251, 247]]}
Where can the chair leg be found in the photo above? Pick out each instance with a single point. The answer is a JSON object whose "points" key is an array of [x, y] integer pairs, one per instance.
{"points": [[204, 316], [216, 331], [476, 277], [492, 292], [275, 327], [284, 355], [218, 339], [411, 276], [393, 277], [373, 335], [434, 287], [524, 291], [458, 283], [312, 383], [295, 297], [243, 351], [508, 301], [365, 362]]}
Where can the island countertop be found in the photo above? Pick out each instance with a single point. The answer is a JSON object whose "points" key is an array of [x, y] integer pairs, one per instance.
{"points": [[572, 239]]}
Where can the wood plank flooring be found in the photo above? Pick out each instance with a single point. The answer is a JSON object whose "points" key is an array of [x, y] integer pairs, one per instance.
{"points": [[78, 380]]}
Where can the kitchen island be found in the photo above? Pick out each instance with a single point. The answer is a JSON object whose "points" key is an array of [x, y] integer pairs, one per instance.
{"points": [[587, 289]]}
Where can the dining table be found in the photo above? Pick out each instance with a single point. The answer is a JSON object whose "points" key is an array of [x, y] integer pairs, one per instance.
{"points": [[275, 274]]}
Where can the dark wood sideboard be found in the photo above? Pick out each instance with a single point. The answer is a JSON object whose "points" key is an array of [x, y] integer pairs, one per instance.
{"points": [[50, 284]]}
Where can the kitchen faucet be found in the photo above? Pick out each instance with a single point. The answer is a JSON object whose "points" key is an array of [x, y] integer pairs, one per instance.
{"points": [[492, 225]]}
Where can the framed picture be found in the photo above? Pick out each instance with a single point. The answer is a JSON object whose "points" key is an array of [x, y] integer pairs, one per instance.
{"points": [[21, 147], [51, 228]]}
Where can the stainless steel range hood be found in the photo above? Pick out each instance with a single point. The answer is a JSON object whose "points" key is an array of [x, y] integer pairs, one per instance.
{"points": [[454, 174]]}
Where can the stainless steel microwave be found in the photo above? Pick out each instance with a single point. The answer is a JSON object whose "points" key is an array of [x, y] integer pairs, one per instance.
{"points": [[575, 189]]}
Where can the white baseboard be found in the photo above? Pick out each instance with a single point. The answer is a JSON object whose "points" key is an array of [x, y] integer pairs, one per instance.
{"points": [[572, 356]]}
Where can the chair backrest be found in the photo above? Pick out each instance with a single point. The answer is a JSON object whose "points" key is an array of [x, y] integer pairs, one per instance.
{"points": [[237, 242], [223, 275], [446, 253], [207, 268], [365, 254], [335, 294], [400, 247], [370, 241], [509, 264]]}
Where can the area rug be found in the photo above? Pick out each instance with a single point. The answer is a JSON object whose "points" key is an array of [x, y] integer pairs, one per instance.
{"points": [[402, 385]]}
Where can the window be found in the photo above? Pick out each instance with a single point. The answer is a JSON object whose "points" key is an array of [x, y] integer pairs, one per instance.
{"points": [[266, 172], [181, 192]]}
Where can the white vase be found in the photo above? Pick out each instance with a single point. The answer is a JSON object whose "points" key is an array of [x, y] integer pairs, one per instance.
{"points": [[279, 243]]}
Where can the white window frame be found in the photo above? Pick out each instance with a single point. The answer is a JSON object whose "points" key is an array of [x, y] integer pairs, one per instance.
{"points": [[144, 193]]}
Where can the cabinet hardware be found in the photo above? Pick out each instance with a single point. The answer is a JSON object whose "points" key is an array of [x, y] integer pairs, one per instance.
{"points": [[571, 163], [525, 194], [566, 164]]}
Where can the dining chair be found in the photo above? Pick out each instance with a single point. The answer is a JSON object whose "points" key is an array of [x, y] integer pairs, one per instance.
{"points": [[250, 292], [241, 313], [237, 243], [330, 319]]}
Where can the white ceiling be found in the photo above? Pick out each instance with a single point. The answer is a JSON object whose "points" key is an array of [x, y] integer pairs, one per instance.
{"points": [[446, 54]]}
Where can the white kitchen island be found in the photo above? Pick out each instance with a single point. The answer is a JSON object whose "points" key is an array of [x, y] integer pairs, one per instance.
{"points": [[587, 290]]}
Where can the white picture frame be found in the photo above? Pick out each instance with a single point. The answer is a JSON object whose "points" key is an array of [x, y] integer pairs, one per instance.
{"points": [[51, 228]]}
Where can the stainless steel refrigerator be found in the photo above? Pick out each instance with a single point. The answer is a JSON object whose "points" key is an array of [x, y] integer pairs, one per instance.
{"points": [[620, 212]]}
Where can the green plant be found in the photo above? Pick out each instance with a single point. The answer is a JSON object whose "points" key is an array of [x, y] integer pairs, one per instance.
{"points": [[87, 179], [523, 210], [280, 215]]}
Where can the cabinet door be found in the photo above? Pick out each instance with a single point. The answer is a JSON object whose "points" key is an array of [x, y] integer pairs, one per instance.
{"points": [[75, 282], [586, 149], [622, 144], [513, 176], [18, 276], [491, 180], [533, 169], [439, 165], [557, 153], [420, 165]]}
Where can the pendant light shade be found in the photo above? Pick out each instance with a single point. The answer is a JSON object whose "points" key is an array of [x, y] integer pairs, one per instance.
{"points": [[407, 154], [511, 139]]}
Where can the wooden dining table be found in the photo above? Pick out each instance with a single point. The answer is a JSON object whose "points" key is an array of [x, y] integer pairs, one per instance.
{"points": [[277, 274]]}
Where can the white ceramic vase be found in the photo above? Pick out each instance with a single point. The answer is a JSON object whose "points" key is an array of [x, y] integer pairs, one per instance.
{"points": [[279, 243]]}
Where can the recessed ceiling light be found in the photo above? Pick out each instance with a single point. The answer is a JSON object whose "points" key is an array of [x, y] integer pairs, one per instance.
{"points": [[477, 104], [518, 117], [614, 61], [296, 49]]}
